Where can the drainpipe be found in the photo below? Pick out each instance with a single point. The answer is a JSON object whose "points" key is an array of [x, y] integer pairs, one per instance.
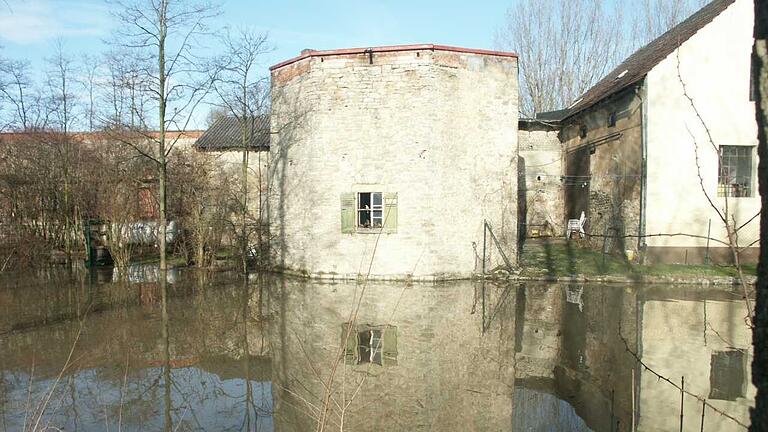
{"points": [[641, 241]]}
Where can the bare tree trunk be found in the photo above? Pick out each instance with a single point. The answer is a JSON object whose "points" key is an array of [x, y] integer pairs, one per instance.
{"points": [[161, 138], [246, 121], [156, 28], [759, 414], [240, 96]]}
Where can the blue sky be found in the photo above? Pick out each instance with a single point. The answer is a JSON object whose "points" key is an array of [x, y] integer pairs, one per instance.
{"points": [[28, 28]]}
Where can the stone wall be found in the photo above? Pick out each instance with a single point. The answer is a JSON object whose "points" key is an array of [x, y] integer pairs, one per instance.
{"points": [[433, 129], [449, 375], [540, 180], [603, 146]]}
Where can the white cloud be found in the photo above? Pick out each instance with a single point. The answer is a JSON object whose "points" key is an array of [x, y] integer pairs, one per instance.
{"points": [[34, 21]]}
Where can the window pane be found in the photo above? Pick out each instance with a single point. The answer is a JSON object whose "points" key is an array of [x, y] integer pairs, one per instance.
{"points": [[735, 172], [364, 218], [364, 201], [365, 346], [376, 346], [376, 198], [727, 376]]}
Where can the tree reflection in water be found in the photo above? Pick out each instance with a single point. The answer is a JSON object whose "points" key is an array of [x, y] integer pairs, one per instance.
{"points": [[225, 352]]}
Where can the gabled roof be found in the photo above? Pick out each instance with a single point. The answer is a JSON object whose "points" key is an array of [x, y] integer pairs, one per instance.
{"points": [[635, 67], [226, 134]]}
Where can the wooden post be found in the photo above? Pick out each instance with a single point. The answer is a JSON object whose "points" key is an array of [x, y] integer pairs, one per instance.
{"points": [[709, 231], [703, 406]]}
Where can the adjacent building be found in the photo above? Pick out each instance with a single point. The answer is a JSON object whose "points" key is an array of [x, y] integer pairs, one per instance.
{"points": [[665, 144], [240, 143]]}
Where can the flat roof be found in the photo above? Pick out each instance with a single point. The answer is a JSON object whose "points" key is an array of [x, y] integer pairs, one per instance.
{"points": [[391, 48]]}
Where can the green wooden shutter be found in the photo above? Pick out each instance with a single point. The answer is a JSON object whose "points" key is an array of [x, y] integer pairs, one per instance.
{"points": [[390, 212], [389, 346], [352, 343], [347, 212]]}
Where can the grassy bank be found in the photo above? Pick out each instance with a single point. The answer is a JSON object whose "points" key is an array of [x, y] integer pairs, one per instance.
{"points": [[558, 258]]}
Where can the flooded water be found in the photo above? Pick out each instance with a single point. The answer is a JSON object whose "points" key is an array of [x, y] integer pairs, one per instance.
{"points": [[217, 352]]}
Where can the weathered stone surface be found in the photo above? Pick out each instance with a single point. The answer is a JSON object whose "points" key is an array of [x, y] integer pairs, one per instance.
{"points": [[540, 182], [439, 129]]}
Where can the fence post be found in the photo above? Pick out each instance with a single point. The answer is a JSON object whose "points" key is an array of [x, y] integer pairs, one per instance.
{"points": [[709, 231], [682, 401], [485, 228]]}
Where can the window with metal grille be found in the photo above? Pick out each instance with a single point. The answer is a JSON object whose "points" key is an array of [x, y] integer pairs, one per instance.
{"points": [[735, 173]]}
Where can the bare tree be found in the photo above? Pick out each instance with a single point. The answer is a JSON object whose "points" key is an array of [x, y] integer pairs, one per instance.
{"points": [[124, 95], [120, 172], [565, 46], [654, 17], [62, 106], [202, 200], [18, 92], [241, 94], [165, 34], [89, 83], [759, 413]]}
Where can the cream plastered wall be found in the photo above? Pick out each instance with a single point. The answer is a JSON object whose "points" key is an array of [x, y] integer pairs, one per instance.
{"points": [[231, 163], [666, 327], [714, 64]]}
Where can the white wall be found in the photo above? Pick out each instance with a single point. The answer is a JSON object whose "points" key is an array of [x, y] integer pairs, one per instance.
{"points": [[715, 67], [701, 328]]}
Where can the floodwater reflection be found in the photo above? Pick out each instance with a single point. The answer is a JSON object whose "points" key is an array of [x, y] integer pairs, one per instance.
{"points": [[205, 351]]}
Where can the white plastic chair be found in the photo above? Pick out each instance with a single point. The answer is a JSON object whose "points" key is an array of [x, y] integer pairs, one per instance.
{"points": [[576, 225]]}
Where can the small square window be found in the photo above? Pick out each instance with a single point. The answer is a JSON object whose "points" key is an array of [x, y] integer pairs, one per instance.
{"points": [[727, 375], [612, 119], [368, 344], [735, 173], [370, 210], [583, 131]]}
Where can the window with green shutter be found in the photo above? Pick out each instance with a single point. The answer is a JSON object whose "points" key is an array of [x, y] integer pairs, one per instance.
{"points": [[390, 212], [369, 212], [348, 212], [350, 344], [370, 344]]}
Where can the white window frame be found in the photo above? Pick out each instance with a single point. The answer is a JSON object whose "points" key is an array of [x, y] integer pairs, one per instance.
{"points": [[371, 210], [724, 189]]}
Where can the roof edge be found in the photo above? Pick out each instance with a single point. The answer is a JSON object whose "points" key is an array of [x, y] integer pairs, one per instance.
{"points": [[390, 48], [628, 86]]}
